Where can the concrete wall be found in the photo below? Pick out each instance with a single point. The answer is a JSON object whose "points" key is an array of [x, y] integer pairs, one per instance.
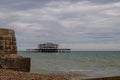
{"points": [[9, 59], [7, 41], [15, 62]]}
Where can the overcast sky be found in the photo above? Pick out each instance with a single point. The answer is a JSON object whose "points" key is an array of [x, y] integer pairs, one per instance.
{"points": [[76, 24]]}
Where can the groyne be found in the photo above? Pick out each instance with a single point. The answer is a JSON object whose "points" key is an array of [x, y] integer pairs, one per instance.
{"points": [[9, 59]]}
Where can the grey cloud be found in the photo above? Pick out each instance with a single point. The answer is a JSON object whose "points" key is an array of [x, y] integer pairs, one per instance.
{"points": [[71, 22], [22, 4], [32, 4], [104, 1]]}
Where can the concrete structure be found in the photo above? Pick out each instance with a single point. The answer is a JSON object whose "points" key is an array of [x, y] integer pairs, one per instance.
{"points": [[15, 62], [7, 41], [9, 59], [49, 48]]}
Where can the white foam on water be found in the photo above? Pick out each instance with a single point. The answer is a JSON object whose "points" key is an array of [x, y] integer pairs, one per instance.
{"points": [[79, 70]]}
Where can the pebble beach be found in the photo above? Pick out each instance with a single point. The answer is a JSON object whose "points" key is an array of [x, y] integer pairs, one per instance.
{"points": [[17, 75]]}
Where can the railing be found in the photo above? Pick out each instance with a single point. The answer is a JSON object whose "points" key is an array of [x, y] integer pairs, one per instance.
{"points": [[48, 50]]}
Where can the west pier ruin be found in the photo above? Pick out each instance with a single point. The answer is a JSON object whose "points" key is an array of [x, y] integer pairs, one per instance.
{"points": [[49, 48]]}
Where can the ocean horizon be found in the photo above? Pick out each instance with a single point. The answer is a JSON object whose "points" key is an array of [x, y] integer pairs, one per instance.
{"points": [[97, 63]]}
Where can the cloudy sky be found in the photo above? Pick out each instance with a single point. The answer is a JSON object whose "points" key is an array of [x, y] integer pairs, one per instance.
{"points": [[76, 24]]}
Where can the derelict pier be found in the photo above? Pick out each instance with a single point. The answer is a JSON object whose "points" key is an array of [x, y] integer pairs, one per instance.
{"points": [[48, 48]]}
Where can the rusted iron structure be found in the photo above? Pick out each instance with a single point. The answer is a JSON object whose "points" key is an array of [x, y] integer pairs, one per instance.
{"points": [[48, 48]]}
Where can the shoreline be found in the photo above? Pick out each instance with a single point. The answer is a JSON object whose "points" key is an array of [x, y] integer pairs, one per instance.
{"points": [[18, 75]]}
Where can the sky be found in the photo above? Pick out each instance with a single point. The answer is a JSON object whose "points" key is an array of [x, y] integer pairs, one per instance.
{"points": [[77, 24]]}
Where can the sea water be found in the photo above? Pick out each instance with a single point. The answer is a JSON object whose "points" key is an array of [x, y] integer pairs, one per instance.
{"points": [[95, 62]]}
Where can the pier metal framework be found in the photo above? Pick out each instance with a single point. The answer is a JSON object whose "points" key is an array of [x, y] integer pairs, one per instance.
{"points": [[48, 48]]}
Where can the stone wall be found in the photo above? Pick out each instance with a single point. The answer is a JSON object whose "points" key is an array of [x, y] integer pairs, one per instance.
{"points": [[7, 41], [9, 59], [15, 62]]}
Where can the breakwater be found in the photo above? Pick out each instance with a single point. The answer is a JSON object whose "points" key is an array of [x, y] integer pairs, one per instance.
{"points": [[9, 59]]}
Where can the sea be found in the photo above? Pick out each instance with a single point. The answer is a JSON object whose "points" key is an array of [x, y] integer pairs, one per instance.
{"points": [[96, 63]]}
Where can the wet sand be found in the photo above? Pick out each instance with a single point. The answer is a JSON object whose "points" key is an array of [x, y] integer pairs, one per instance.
{"points": [[105, 78]]}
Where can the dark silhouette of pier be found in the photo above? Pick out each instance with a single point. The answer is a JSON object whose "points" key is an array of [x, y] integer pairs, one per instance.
{"points": [[48, 48]]}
